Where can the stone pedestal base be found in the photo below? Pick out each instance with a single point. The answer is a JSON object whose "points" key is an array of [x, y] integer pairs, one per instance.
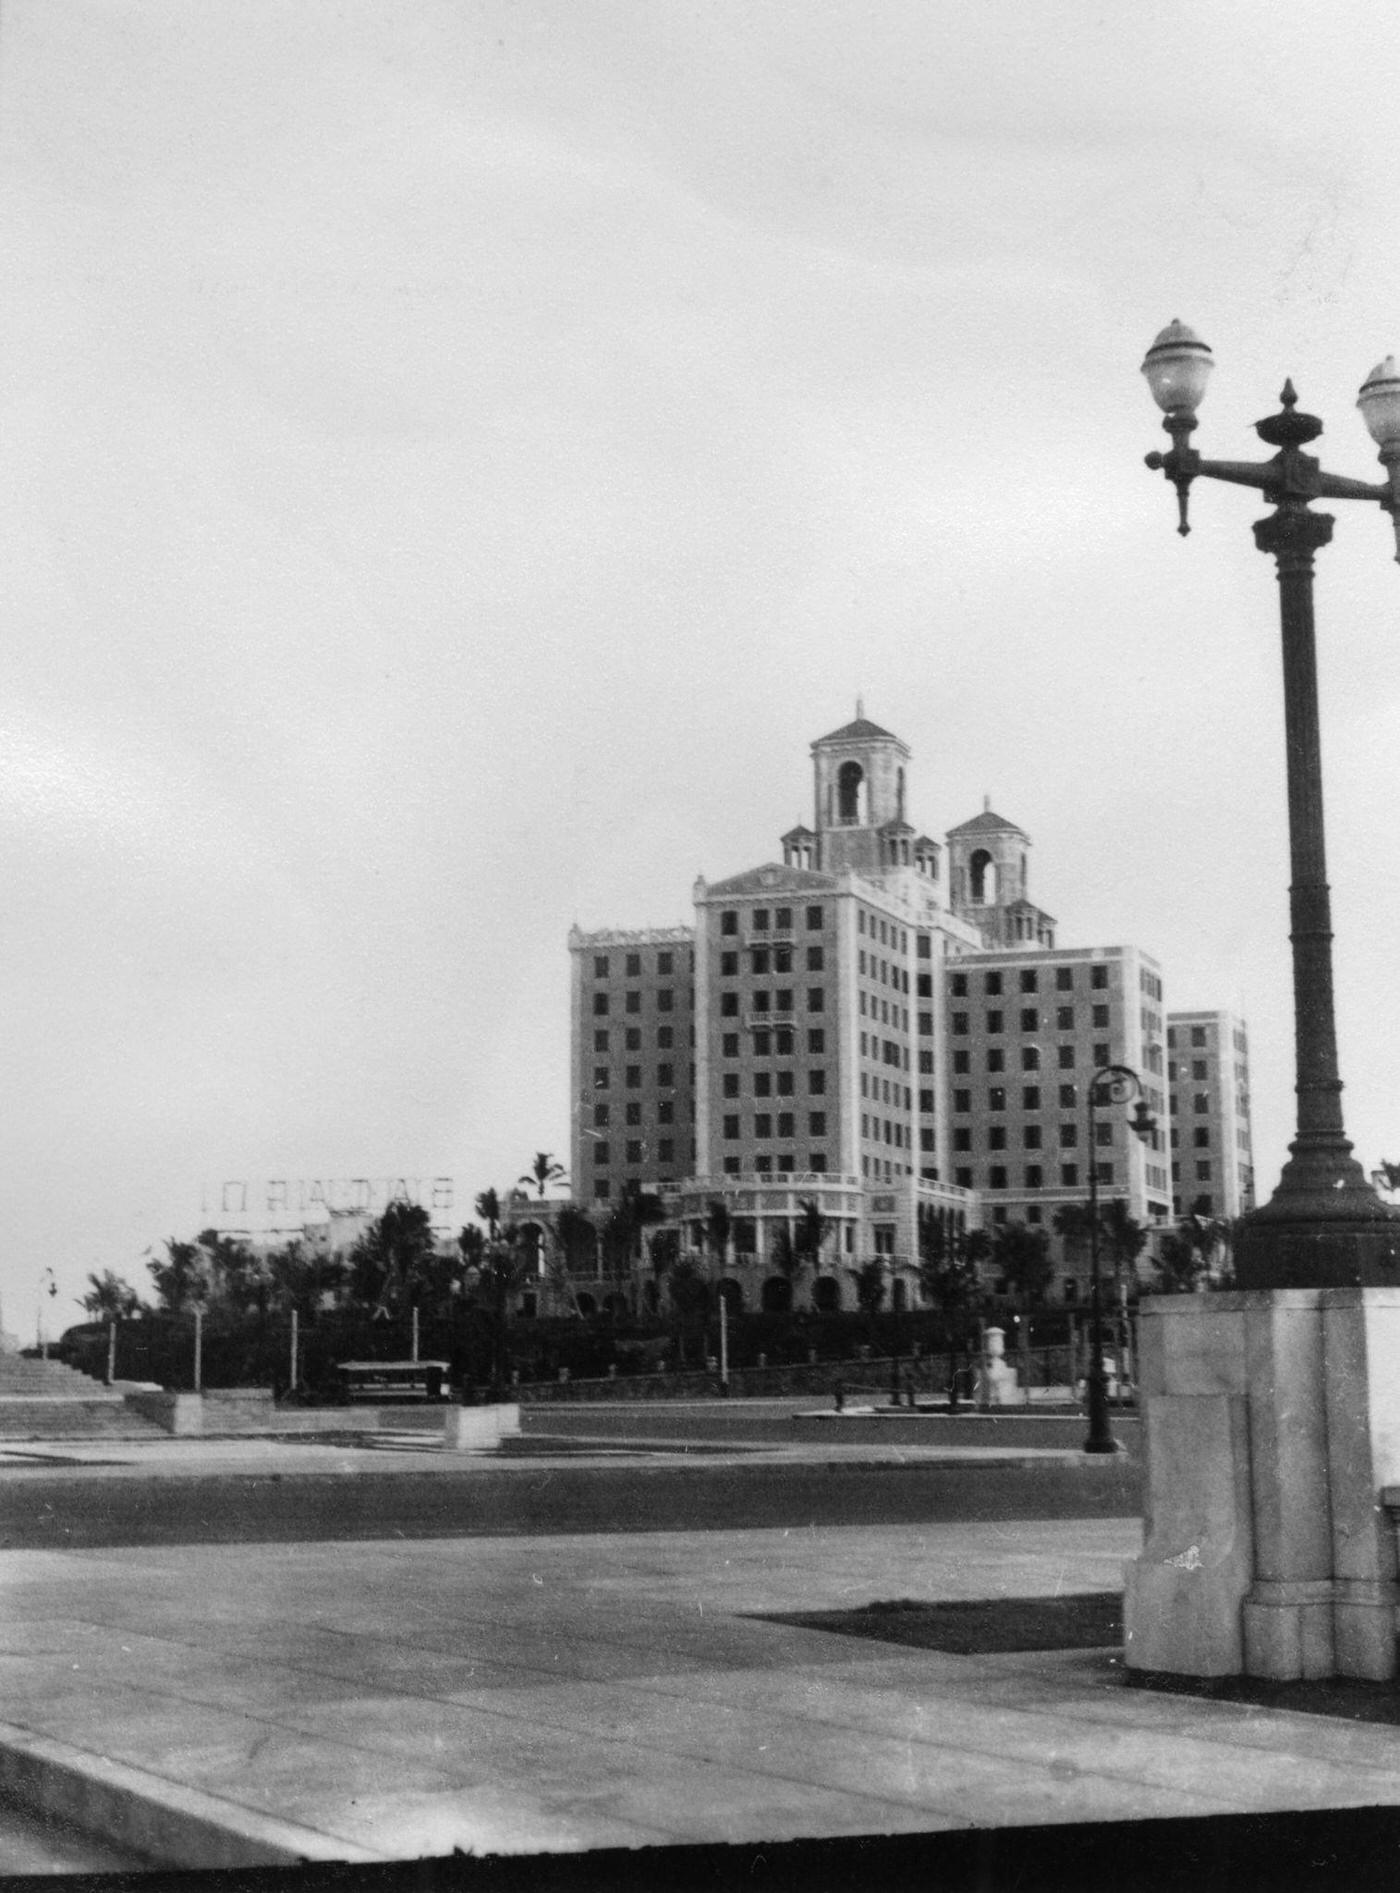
{"points": [[1271, 1423], [480, 1429]]}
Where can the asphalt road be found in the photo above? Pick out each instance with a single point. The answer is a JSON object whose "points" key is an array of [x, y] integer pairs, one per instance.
{"points": [[77, 1509]]}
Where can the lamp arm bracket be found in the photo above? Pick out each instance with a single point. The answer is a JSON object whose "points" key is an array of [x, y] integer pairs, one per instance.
{"points": [[1335, 486]]}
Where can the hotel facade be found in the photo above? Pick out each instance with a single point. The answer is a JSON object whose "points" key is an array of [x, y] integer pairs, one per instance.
{"points": [[880, 1022]]}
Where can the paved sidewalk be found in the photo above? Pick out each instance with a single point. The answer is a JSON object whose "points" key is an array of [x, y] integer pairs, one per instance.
{"points": [[557, 1693]]}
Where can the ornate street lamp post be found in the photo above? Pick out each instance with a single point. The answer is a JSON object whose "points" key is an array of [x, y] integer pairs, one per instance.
{"points": [[1110, 1084], [1324, 1226]]}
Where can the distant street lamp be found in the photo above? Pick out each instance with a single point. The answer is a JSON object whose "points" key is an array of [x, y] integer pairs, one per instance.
{"points": [[1324, 1226], [1110, 1084], [47, 1285]]}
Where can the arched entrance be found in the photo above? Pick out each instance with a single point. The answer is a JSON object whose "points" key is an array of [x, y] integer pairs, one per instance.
{"points": [[777, 1295], [899, 1295], [731, 1294], [826, 1295]]}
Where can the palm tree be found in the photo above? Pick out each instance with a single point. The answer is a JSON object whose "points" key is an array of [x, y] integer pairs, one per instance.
{"points": [[544, 1171], [488, 1208], [1022, 1254], [636, 1209], [1125, 1239], [948, 1276], [181, 1278], [110, 1298], [810, 1235], [393, 1263], [718, 1224]]}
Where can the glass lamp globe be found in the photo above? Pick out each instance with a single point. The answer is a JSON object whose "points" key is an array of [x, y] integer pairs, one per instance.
{"points": [[1177, 367], [1379, 401]]}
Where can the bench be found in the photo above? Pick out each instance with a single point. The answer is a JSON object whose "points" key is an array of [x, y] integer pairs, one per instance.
{"points": [[392, 1380]]}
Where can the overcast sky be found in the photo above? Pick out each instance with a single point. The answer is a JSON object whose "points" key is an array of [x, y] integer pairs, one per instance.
{"points": [[459, 453]]}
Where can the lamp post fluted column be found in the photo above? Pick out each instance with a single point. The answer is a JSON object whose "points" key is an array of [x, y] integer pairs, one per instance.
{"points": [[1110, 1084], [1324, 1226]]}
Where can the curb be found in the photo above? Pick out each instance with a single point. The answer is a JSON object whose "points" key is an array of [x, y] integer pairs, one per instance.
{"points": [[161, 1821]]}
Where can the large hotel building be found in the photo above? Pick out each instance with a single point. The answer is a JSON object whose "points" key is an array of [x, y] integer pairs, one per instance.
{"points": [[881, 1023]]}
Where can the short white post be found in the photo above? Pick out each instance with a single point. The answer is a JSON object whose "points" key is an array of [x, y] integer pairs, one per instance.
{"points": [[292, 1387], [415, 1331], [199, 1350], [723, 1341]]}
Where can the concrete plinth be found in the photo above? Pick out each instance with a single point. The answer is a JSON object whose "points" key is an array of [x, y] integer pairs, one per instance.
{"points": [[480, 1429], [1271, 1424]]}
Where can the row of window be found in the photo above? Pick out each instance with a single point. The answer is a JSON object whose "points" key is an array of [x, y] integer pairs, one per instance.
{"points": [[1031, 1100], [1032, 1136], [1028, 978], [1199, 1035], [638, 1150], [760, 917], [885, 931], [665, 1077], [998, 1177], [632, 1038], [780, 1001], [781, 1039], [874, 967], [632, 1001], [763, 1123], [1030, 1020], [1030, 1058], [768, 1084], [783, 1165], [777, 959], [632, 1114], [884, 1130], [632, 963]]}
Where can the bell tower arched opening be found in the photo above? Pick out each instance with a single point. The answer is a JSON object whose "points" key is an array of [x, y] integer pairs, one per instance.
{"points": [[982, 879], [850, 778]]}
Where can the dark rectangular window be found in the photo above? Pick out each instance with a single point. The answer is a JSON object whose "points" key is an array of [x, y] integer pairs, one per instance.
{"points": [[1030, 1058], [783, 1080], [665, 1038], [1030, 1137], [634, 1077], [731, 1128], [1100, 1016], [763, 1084], [601, 1153], [1068, 1097], [1069, 1176], [729, 921], [1066, 1057], [816, 1123], [996, 1059], [1030, 1019], [633, 1114], [996, 1098], [728, 1005], [763, 1124], [729, 965], [1064, 1018], [634, 1150], [814, 918], [1030, 1097], [816, 999], [816, 1083], [1069, 1136], [760, 920], [665, 1000], [665, 963], [729, 1045], [730, 1085], [1034, 1177], [960, 985], [782, 920], [600, 1005], [1030, 980], [600, 1041], [600, 966], [996, 1137], [994, 1022], [1098, 976], [963, 1178], [785, 1124], [634, 1001], [666, 1150], [992, 985], [601, 1114], [959, 1023], [816, 1040], [962, 1138], [632, 1038], [996, 1177], [665, 1077], [962, 1100]]}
